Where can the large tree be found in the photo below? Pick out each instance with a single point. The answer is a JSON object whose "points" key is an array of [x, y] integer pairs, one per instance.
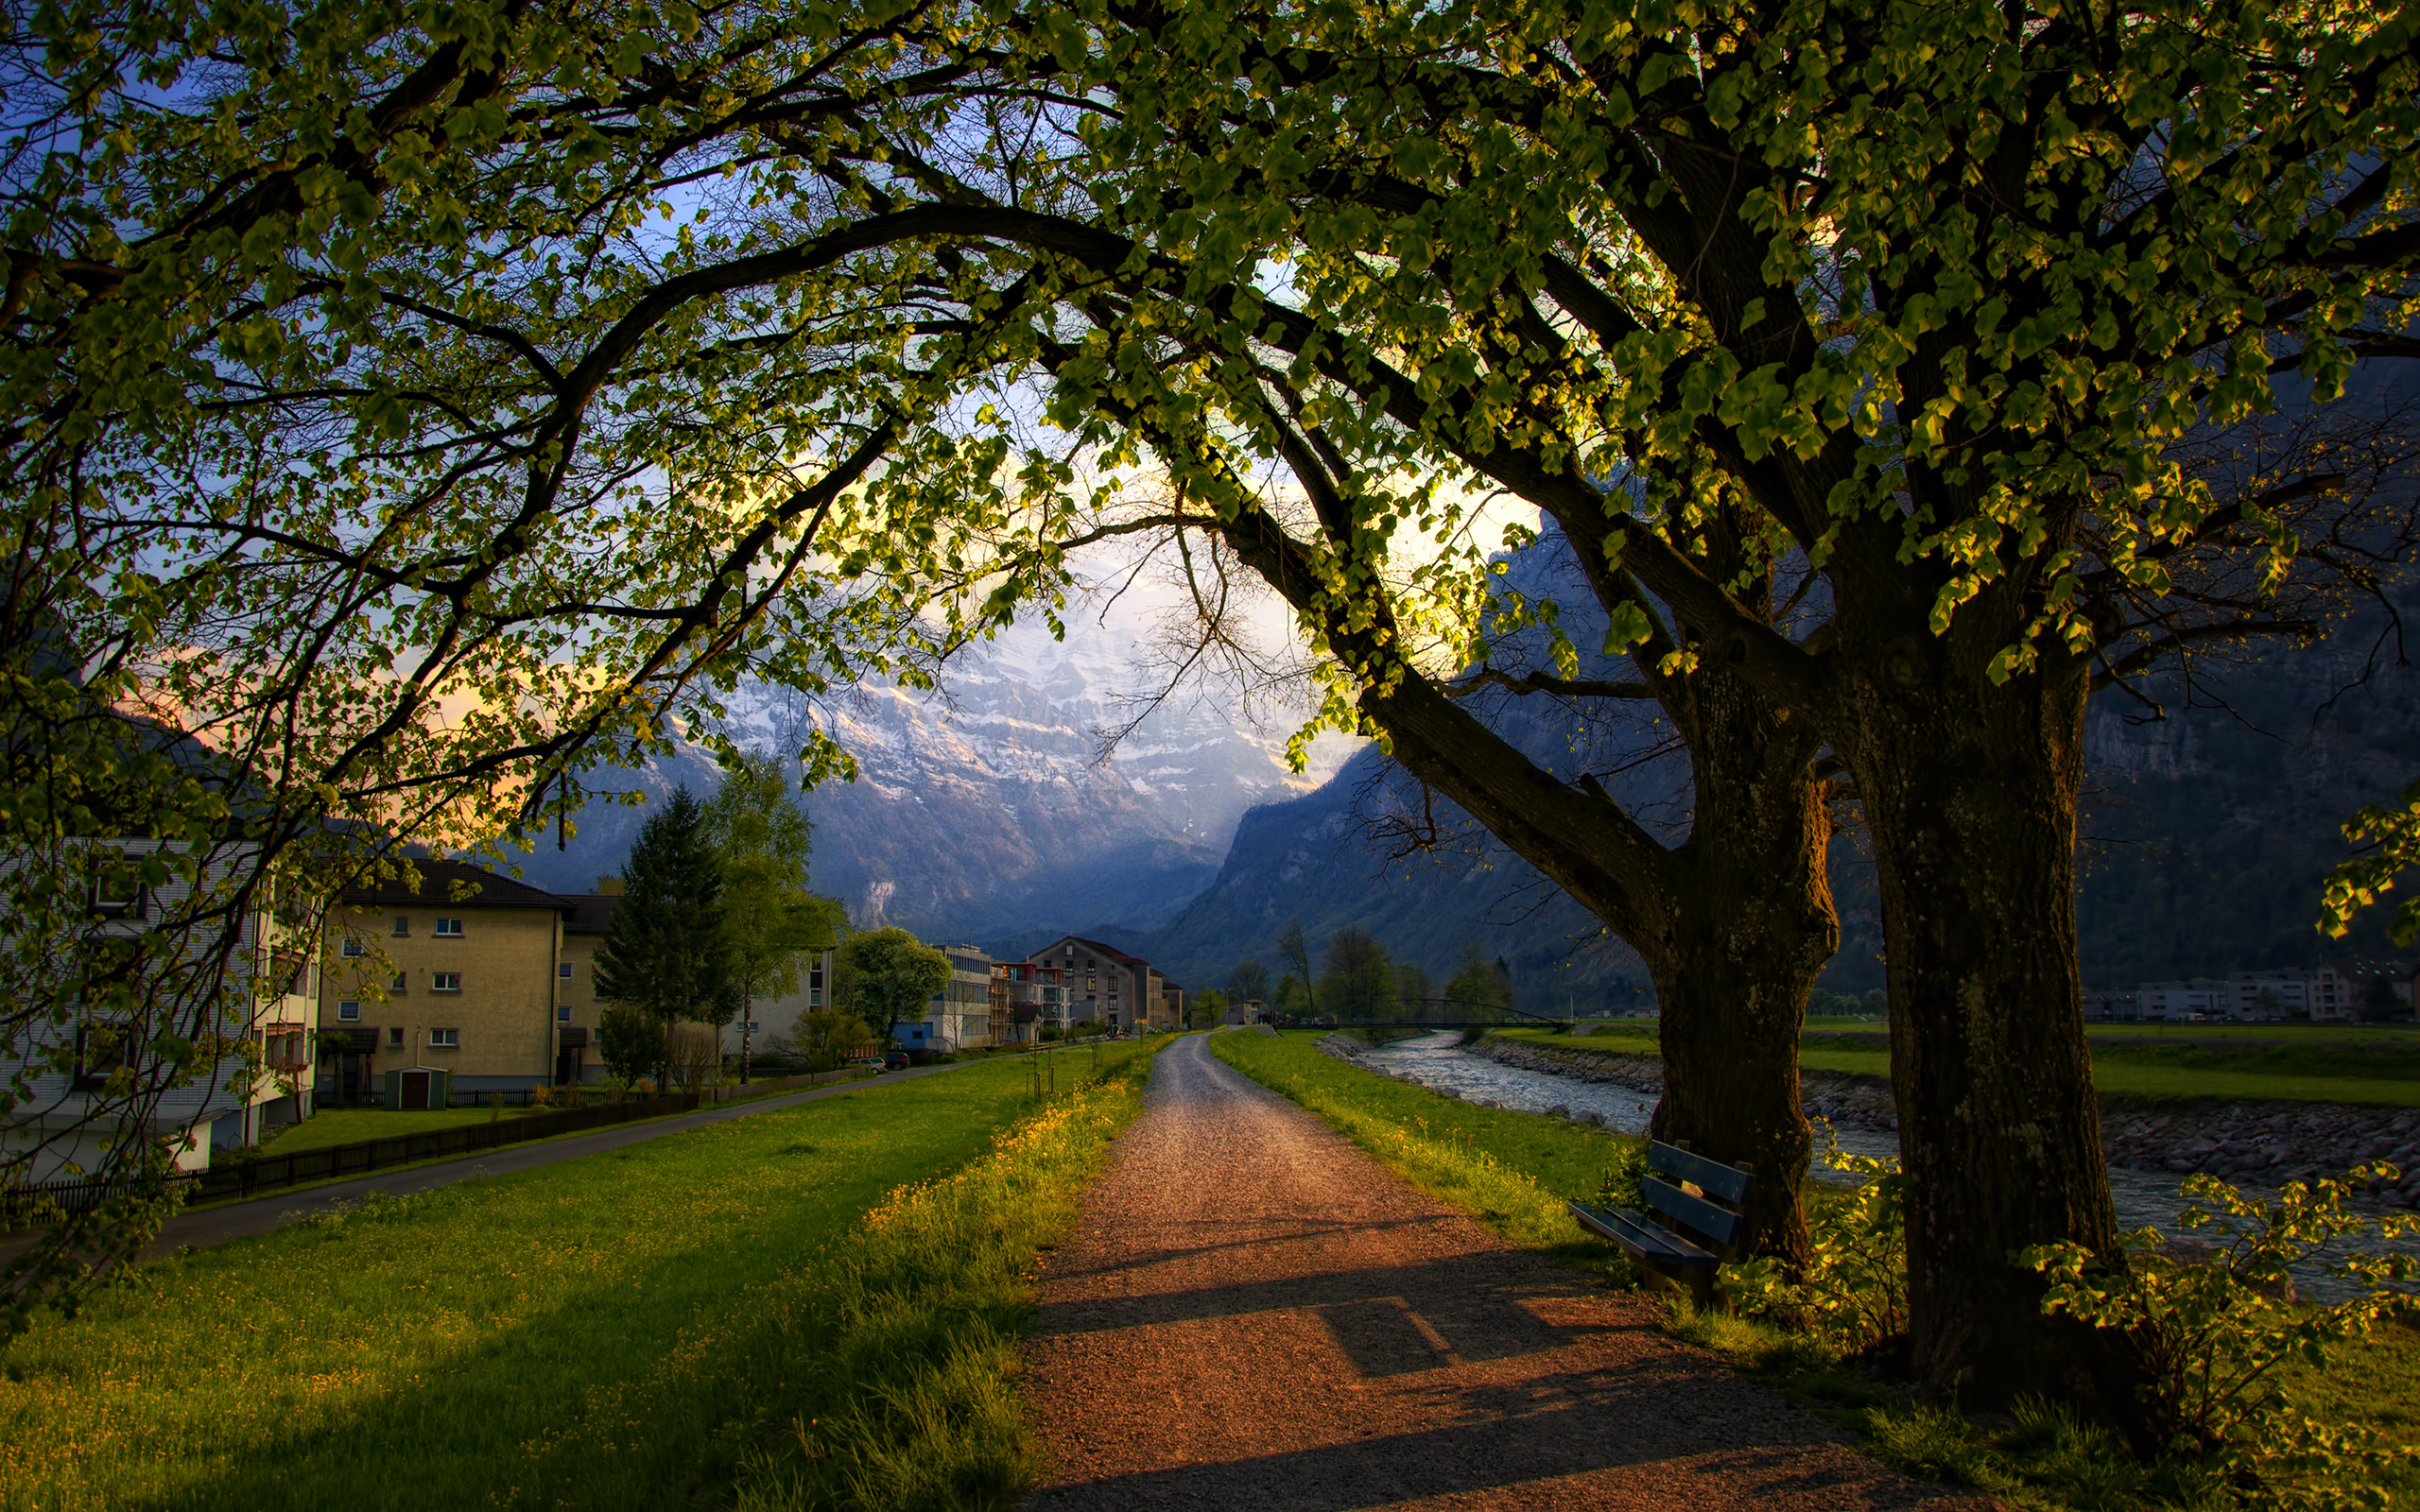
{"points": [[894, 975], [1857, 354], [1922, 300], [666, 951]]}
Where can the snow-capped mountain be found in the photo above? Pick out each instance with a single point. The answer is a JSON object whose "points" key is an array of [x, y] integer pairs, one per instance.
{"points": [[983, 810]]}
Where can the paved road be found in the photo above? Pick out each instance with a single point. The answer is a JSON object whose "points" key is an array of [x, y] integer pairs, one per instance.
{"points": [[1254, 1313], [238, 1220]]}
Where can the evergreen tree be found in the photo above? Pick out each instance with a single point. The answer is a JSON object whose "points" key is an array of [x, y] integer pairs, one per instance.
{"points": [[665, 952]]}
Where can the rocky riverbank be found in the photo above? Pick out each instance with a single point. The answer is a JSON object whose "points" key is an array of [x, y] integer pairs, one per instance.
{"points": [[2264, 1143]]}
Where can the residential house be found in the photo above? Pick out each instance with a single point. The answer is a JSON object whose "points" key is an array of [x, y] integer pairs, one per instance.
{"points": [[460, 973], [259, 1018], [774, 1016]]}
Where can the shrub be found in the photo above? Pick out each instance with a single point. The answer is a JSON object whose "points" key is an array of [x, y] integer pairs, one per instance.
{"points": [[1853, 1294], [2219, 1327]]}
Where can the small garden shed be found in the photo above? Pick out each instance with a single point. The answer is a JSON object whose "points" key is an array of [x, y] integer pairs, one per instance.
{"points": [[413, 1089]]}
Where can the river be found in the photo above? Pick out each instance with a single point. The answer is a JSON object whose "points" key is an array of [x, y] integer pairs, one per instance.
{"points": [[2144, 1199]]}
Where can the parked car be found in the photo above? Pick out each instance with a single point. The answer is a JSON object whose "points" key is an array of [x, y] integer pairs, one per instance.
{"points": [[896, 1060], [865, 1063]]}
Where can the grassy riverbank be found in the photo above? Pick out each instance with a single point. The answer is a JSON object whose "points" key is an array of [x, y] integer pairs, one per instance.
{"points": [[2285, 1064], [809, 1307]]}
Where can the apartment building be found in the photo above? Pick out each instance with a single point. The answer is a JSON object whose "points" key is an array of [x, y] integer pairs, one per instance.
{"points": [[1025, 999], [2199, 998], [2338, 992], [459, 974], [960, 1016], [1103, 981], [70, 1118]]}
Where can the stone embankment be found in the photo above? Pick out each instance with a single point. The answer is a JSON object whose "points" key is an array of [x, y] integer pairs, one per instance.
{"points": [[2261, 1143]]}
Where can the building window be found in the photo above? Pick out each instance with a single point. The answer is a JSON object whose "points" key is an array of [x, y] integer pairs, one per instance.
{"points": [[394, 1039], [354, 948], [445, 981], [117, 889], [444, 1038], [348, 1011], [402, 982], [563, 969], [449, 929], [562, 1013], [403, 926]]}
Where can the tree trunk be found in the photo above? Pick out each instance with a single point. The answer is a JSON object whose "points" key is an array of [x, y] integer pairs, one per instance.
{"points": [[1752, 926], [1970, 791]]}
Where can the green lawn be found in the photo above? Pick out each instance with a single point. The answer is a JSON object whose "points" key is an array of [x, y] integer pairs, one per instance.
{"points": [[348, 1126], [2309, 1064], [809, 1306]]}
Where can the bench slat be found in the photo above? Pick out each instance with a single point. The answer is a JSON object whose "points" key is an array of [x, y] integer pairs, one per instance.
{"points": [[1640, 1237], [1717, 1223], [1715, 1179]]}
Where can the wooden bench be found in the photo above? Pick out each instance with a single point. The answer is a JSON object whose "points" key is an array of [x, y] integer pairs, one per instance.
{"points": [[1700, 1223]]}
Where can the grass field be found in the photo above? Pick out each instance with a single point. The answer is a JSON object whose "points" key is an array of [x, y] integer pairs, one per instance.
{"points": [[2299, 1064], [346, 1126], [809, 1306]]}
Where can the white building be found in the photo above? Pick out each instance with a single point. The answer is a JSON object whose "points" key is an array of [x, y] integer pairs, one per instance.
{"points": [[2181, 1002], [2258, 994], [259, 1018]]}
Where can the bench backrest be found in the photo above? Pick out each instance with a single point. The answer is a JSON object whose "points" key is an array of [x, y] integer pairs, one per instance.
{"points": [[1725, 1188]]}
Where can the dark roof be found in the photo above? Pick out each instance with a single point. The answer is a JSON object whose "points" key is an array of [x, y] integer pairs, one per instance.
{"points": [[438, 880], [590, 912], [1110, 950]]}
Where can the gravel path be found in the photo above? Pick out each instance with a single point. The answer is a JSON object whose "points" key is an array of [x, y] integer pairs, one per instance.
{"points": [[1254, 1313]]}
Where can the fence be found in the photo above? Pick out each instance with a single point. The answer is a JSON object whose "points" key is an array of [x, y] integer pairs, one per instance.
{"points": [[23, 1206]]}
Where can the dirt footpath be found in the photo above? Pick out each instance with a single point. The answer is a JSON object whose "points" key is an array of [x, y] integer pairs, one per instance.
{"points": [[1255, 1314]]}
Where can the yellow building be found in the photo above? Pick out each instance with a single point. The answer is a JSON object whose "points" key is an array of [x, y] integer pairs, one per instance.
{"points": [[460, 975]]}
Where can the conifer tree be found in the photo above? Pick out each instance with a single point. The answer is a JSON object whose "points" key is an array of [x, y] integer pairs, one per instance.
{"points": [[665, 952]]}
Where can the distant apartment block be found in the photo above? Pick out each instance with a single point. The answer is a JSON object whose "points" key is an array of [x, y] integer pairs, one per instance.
{"points": [[2338, 992], [1103, 981], [959, 1017], [1027, 999]]}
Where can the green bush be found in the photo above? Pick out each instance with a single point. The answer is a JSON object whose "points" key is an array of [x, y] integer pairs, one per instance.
{"points": [[1852, 1293], [2221, 1327]]}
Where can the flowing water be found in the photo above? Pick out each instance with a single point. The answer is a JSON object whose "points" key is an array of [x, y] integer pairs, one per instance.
{"points": [[2143, 1198]]}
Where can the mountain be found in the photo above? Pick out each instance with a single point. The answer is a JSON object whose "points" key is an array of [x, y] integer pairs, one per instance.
{"points": [[981, 810], [2206, 835]]}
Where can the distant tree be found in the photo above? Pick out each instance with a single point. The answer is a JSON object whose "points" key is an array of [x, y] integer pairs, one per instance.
{"points": [[2268, 1004], [1204, 1008], [1412, 985], [631, 1040], [1294, 949], [1248, 982], [1480, 982], [1291, 999], [828, 1037], [1360, 981], [609, 885], [665, 952], [894, 975], [2379, 1002], [770, 921]]}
